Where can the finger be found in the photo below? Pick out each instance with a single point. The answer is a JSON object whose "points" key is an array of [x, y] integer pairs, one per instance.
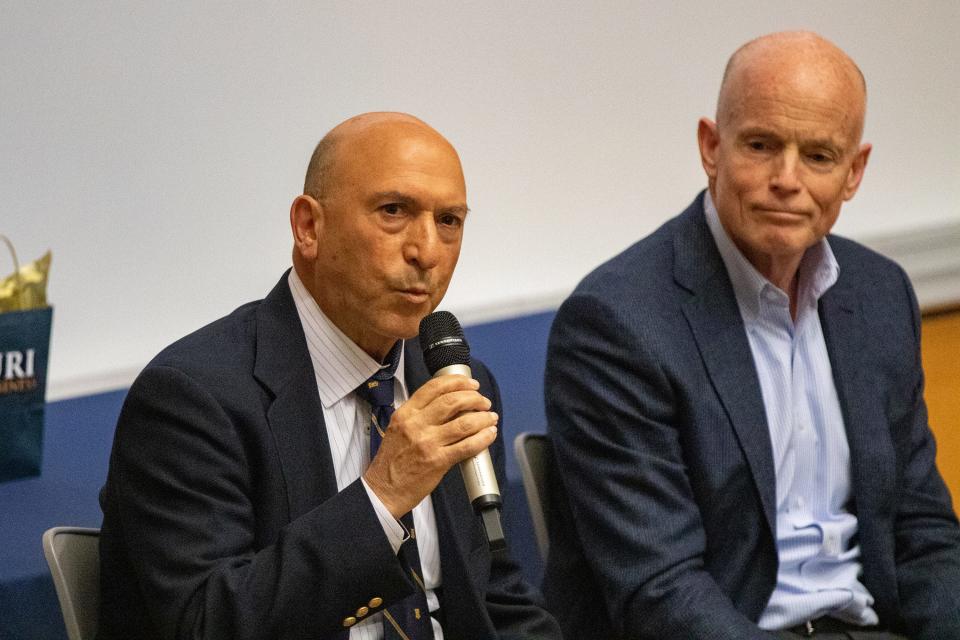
{"points": [[471, 445], [466, 426], [426, 421], [439, 386], [449, 405]]}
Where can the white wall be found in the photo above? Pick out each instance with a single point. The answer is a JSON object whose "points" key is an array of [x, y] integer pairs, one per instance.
{"points": [[155, 147]]}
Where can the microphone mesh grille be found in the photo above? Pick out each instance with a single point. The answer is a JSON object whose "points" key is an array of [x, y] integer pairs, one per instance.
{"points": [[442, 341]]}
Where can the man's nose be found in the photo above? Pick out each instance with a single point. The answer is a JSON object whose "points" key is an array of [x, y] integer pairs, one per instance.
{"points": [[785, 176], [421, 246]]}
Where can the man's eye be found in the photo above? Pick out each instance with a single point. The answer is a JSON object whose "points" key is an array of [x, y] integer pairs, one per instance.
{"points": [[393, 209], [757, 145], [819, 158], [450, 220]]}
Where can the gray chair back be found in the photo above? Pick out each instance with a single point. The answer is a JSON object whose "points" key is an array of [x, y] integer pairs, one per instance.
{"points": [[73, 554], [535, 457]]}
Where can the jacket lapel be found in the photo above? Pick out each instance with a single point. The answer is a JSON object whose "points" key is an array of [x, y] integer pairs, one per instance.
{"points": [[844, 328], [717, 327], [295, 416]]}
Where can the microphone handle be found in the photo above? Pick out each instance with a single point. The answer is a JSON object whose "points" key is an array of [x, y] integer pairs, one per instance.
{"points": [[481, 480]]}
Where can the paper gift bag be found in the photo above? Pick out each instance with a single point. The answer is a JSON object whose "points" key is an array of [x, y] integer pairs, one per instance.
{"points": [[24, 348]]}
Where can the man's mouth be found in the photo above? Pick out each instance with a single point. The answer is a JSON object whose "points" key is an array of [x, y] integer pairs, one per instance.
{"points": [[781, 212], [415, 294]]}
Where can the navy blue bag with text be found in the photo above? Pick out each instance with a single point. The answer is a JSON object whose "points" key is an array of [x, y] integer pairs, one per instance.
{"points": [[25, 319], [24, 347]]}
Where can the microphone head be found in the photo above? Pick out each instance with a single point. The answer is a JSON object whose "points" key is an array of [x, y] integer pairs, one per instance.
{"points": [[442, 341]]}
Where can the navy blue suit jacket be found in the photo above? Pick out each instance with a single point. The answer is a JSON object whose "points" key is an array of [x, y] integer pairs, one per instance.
{"points": [[657, 420], [221, 512]]}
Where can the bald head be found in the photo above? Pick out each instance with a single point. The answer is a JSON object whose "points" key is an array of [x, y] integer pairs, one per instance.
{"points": [[362, 130], [378, 229], [784, 153], [798, 62]]}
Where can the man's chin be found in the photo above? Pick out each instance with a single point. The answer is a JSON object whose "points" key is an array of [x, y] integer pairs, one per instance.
{"points": [[406, 327], [787, 245], [404, 318]]}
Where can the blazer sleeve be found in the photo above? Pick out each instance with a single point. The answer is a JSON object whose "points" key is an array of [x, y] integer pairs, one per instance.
{"points": [[613, 420], [514, 607], [927, 538], [181, 488]]}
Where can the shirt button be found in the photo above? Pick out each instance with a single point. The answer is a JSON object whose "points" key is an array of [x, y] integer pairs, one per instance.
{"points": [[832, 544], [375, 602], [362, 611], [349, 621]]}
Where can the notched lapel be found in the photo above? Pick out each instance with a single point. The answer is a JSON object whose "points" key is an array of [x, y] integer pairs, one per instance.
{"points": [[295, 416], [296, 421], [844, 328], [718, 331]]}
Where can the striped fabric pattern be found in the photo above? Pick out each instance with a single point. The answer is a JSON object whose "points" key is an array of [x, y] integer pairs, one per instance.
{"points": [[340, 367]]}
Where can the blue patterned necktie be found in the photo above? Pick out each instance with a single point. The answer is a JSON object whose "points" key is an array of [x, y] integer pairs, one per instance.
{"points": [[407, 619]]}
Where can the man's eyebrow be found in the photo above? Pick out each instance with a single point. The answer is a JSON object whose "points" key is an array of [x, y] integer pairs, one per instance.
{"points": [[825, 143], [761, 132], [396, 196], [756, 131], [457, 208], [399, 196]]}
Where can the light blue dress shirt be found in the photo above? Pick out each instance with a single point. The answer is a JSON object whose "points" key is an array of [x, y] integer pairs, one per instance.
{"points": [[820, 565]]}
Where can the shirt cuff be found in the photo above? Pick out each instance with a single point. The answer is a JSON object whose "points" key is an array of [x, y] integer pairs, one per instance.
{"points": [[395, 532]]}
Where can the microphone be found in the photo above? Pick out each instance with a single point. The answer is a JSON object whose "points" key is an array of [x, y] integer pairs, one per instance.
{"points": [[445, 352]]}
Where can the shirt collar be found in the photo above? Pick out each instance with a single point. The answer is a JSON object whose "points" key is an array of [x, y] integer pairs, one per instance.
{"points": [[339, 364], [818, 270]]}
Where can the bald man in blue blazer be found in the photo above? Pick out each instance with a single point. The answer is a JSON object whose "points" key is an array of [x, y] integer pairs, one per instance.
{"points": [[735, 402]]}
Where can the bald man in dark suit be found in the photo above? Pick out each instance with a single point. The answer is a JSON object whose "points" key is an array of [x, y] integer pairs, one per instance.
{"points": [[736, 401], [242, 500]]}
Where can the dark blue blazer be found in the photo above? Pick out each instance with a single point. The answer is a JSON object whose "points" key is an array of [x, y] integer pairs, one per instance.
{"points": [[221, 512], [658, 424]]}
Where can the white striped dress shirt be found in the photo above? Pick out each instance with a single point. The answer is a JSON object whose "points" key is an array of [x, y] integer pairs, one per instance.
{"points": [[820, 565], [340, 367]]}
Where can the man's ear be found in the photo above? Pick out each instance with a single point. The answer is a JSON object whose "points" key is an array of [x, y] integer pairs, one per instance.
{"points": [[306, 220], [855, 176], [708, 138]]}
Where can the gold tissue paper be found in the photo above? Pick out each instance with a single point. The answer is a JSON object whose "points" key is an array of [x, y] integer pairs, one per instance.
{"points": [[26, 287]]}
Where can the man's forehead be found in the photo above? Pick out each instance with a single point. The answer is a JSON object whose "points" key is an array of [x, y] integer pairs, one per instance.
{"points": [[394, 148], [799, 67], [796, 50], [808, 116], [405, 168]]}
